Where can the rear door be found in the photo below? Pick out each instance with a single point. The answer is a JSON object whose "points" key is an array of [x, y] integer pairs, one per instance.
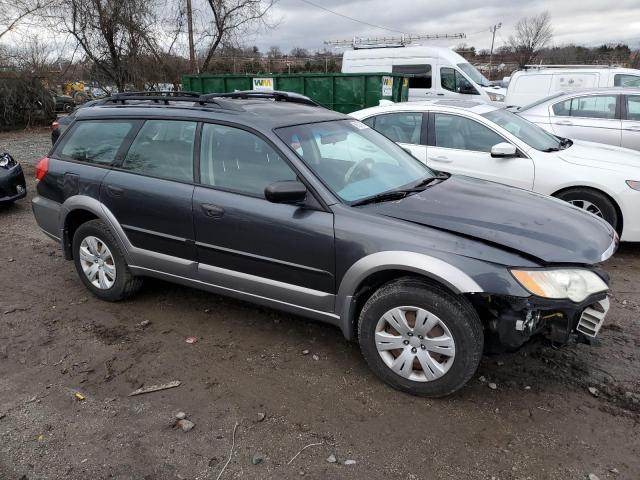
{"points": [[407, 129], [631, 122], [151, 188], [246, 243], [421, 83], [461, 145], [594, 118]]}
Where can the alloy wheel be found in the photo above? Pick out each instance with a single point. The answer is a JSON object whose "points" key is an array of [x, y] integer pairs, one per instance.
{"points": [[415, 343], [588, 206], [97, 263]]}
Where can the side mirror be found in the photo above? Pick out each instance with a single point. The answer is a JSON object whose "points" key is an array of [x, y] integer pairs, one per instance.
{"points": [[290, 192], [504, 150], [467, 89]]}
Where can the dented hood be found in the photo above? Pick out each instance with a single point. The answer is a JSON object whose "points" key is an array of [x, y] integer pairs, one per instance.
{"points": [[546, 228]]}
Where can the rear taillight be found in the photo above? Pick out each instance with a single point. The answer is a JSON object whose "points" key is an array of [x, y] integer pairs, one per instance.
{"points": [[55, 125], [42, 168]]}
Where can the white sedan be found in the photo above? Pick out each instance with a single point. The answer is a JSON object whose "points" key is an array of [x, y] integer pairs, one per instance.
{"points": [[485, 141]]}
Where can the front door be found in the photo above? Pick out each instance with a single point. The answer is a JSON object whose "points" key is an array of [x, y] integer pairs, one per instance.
{"points": [[454, 84], [150, 191], [246, 243], [462, 146], [631, 123]]}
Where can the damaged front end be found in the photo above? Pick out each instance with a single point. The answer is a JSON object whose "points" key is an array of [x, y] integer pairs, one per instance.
{"points": [[511, 321]]}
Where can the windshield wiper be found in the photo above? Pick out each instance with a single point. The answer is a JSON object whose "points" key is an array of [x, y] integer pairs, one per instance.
{"points": [[383, 197], [403, 192]]}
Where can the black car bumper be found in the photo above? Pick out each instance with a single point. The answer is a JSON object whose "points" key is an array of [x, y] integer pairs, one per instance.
{"points": [[12, 184]]}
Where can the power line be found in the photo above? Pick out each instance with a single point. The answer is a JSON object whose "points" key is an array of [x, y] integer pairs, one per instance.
{"points": [[351, 18]]}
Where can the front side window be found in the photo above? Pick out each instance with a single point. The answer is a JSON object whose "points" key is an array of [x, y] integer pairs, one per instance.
{"points": [[352, 160], [400, 127], [95, 141], [454, 81], [454, 131], [240, 161], [623, 80], [421, 74], [597, 106], [163, 148], [633, 107]]}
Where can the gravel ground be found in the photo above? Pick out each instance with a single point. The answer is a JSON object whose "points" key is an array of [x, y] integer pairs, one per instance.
{"points": [[247, 372]]}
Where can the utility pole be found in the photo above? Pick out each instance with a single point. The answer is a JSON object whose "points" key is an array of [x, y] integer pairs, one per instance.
{"points": [[493, 30], [192, 52]]}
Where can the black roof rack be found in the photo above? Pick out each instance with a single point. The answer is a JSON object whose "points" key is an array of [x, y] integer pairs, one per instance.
{"points": [[167, 96], [276, 95], [218, 99]]}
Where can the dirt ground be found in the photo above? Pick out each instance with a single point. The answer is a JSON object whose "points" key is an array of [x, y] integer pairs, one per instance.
{"points": [[541, 422]]}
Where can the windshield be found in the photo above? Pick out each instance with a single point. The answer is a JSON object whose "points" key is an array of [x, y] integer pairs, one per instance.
{"points": [[352, 160], [526, 131], [474, 74]]}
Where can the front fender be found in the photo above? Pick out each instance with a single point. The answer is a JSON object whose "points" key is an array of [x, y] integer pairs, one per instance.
{"points": [[411, 262]]}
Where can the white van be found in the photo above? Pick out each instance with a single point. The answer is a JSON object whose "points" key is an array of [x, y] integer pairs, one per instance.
{"points": [[439, 71], [538, 82]]}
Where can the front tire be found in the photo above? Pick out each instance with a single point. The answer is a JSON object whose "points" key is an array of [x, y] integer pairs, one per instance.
{"points": [[419, 338], [101, 264], [594, 202]]}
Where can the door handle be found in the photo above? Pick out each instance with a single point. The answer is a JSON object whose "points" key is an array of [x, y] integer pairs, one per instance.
{"points": [[440, 94], [114, 191], [564, 122], [441, 159], [212, 211]]}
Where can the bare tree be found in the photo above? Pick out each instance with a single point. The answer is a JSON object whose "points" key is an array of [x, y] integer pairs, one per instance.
{"points": [[531, 34], [14, 13], [231, 18], [112, 34]]}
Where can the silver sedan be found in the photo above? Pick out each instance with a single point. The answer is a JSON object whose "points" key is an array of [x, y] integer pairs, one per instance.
{"points": [[610, 115]]}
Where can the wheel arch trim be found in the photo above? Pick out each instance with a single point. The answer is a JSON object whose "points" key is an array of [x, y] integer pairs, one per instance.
{"points": [[92, 205], [412, 263]]}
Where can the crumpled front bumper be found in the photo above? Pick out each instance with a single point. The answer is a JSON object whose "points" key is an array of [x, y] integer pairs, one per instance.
{"points": [[512, 321], [12, 184]]}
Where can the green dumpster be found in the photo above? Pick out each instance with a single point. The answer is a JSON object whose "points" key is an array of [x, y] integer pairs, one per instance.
{"points": [[342, 92]]}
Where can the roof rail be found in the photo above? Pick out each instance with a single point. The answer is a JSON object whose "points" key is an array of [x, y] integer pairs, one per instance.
{"points": [[540, 66], [170, 96], [276, 95], [156, 97]]}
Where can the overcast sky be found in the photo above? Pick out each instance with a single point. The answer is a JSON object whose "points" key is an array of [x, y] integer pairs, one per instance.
{"points": [[587, 22]]}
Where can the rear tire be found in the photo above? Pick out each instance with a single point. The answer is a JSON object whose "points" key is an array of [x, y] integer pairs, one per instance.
{"points": [[100, 263], [592, 201], [441, 321]]}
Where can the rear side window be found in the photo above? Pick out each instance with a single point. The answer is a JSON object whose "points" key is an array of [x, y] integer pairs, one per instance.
{"points": [[163, 148], [95, 141], [597, 106], [400, 127], [422, 74]]}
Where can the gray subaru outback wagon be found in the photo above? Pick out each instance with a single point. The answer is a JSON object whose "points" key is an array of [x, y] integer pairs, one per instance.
{"points": [[270, 198]]}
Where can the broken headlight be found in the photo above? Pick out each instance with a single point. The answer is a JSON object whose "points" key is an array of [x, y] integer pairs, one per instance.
{"points": [[574, 284]]}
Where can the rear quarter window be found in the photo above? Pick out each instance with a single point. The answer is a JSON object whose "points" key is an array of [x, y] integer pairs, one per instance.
{"points": [[94, 141]]}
